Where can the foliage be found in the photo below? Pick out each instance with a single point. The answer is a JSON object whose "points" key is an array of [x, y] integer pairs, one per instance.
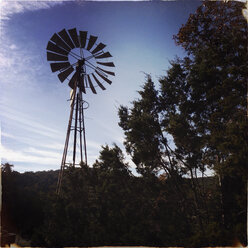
{"points": [[213, 98], [103, 205]]}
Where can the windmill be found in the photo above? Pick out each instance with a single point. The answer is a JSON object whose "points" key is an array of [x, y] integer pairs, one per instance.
{"points": [[83, 62]]}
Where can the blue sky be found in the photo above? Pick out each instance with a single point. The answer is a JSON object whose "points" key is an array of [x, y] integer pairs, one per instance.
{"points": [[34, 109]]}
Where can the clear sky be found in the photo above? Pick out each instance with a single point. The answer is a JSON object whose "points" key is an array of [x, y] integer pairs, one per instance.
{"points": [[34, 110]]}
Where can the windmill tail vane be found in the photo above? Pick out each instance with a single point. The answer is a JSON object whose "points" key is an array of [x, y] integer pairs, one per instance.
{"points": [[81, 61]]}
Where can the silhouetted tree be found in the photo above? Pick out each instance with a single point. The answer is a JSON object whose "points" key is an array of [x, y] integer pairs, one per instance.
{"points": [[212, 90], [202, 105]]}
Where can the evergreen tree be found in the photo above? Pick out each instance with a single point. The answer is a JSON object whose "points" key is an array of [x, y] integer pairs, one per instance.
{"points": [[144, 137], [203, 98]]}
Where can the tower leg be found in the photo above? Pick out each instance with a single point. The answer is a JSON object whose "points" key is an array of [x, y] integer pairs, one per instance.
{"points": [[75, 132], [85, 150], [80, 123], [66, 142]]}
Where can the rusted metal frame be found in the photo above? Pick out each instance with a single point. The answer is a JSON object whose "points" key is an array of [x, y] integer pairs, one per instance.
{"points": [[85, 78], [80, 123], [75, 133], [85, 150], [92, 56], [82, 114], [66, 141]]}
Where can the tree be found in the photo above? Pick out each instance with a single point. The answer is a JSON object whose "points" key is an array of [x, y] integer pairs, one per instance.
{"points": [[205, 98], [7, 168], [112, 190], [112, 160], [141, 130], [145, 140]]}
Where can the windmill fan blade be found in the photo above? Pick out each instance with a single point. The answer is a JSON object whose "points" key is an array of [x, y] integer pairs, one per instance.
{"points": [[63, 34], [108, 72], [91, 85], [64, 74], [104, 55], [56, 39], [98, 48], [98, 82], [56, 57], [111, 64], [74, 36], [92, 41], [54, 48], [104, 78], [59, 66], [72, 80], [83, 37]]}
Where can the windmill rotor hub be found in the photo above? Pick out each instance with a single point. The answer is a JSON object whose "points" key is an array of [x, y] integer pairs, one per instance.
{"points": [[81, 62]]}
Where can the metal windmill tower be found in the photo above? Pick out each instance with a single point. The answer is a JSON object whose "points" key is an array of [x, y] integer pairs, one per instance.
{"points": [[78, 59]]}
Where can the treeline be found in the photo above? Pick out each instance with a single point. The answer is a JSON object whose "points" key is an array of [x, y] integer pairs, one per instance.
{"points": [[107, 205], [192, 121]]}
